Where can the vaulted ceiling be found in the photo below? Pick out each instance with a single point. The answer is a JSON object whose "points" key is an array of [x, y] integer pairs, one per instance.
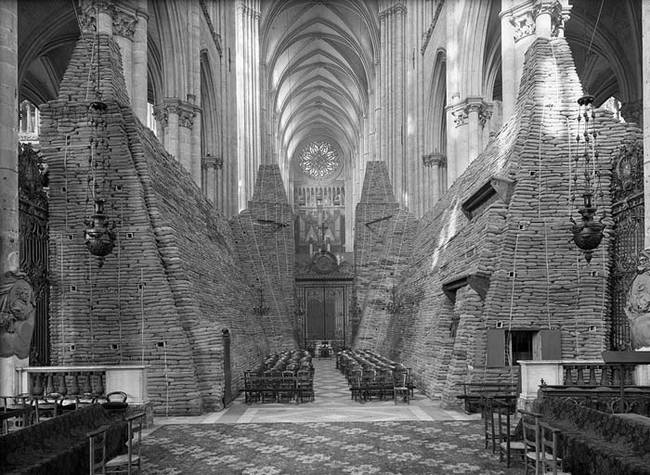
{"points": [[320, 65]]}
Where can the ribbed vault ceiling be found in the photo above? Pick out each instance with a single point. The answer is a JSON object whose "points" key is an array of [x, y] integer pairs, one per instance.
{"points": [[320, 63]]}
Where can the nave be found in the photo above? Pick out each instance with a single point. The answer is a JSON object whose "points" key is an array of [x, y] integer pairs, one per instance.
{"points": [[332, 434]]}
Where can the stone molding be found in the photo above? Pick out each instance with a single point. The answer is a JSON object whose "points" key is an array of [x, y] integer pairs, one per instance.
{"points": [[216, 37], [210, 161], [124, 22], [397, 8], [426, 36], [434, 159]]}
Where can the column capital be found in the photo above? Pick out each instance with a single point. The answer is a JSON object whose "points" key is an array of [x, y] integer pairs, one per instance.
{"points": [[398, 7], [89, 9], [186, 112], [210, 161], [434, 159], [523, 16], [461, 110], [124, 21]]}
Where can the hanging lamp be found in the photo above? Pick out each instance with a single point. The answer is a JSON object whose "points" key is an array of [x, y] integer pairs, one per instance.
{"points": [[99, 236], [588, 234]]}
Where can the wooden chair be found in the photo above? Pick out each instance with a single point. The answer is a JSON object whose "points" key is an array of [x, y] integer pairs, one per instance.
{"points": [[116, 401], [47, 407], [531, 438], [401, 389], [131, 460], [304, 386], [356, 377], [502, 411], [97, 450], [252, 390], [549, 449], [16, 412], [287, 387]]}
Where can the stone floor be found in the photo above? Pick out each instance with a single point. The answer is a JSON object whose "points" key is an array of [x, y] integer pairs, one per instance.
{"points": [[332, 403]]}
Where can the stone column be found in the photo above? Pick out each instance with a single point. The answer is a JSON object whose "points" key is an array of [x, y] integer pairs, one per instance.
{"points": [[210, 165], [247, 66], [140, 72], [124, 24], [99, 12], [392, 20], [9, 242], [177, 119], [436, 164], [521, 23]]}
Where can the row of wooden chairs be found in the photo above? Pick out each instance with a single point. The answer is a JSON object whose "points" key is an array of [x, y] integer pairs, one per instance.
{"points": [[129, 462], [385, 384], [286, 386], [25, 410], [536, 443]]}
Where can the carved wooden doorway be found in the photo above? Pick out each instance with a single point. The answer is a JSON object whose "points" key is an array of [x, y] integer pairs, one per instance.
{"points": [[325, 313], [627, 212]]}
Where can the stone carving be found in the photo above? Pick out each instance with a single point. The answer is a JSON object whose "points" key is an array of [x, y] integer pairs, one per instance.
{"points": [[484, 114], [124, 23], [637, 308], [17, 312], [460, 116], [523, 25], [161, 114]]}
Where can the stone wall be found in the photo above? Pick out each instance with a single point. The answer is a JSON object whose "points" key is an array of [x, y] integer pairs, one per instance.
{"points": [[173, 280], [510, 262]]}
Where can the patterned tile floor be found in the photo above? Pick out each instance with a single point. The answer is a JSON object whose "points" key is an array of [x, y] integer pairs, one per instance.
{"points": [[420, 437]]}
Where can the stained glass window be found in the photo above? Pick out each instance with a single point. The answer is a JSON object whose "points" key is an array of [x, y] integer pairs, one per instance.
{"points": [[319, 159]]}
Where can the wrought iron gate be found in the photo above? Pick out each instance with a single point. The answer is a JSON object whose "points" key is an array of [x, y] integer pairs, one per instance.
{"points": [[627, 212], [34, 245]]}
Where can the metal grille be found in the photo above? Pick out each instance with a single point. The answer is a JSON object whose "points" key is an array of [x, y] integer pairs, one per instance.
{"points": [[34, 245], [628, 215]]}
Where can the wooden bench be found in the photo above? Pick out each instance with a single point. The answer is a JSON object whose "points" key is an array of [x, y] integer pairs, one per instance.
{"points": [[475, 393], [59, 445]]}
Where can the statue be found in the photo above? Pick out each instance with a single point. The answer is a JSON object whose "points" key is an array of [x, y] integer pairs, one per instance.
{"points": [[637, 308], [17, 313]]}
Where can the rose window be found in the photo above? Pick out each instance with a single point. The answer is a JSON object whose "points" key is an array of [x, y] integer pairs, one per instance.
{"points": [[319, 160]]}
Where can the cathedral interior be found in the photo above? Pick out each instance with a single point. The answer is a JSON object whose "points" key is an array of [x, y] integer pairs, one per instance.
{"points": [[195, 191]]}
